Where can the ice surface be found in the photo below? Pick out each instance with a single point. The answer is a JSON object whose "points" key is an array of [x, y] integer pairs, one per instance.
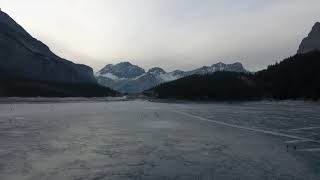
{"points": [[99, 139]]}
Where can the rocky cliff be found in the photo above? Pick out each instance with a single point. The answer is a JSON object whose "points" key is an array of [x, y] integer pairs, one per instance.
{"points": [[312, 42]]}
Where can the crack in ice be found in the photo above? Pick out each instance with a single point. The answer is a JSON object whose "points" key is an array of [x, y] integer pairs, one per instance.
{"points": [[248, 128]]}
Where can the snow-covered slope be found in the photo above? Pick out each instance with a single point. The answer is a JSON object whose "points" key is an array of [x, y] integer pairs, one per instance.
{"points": [[127, 78]]}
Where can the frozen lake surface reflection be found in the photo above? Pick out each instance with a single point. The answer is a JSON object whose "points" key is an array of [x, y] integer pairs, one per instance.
{"points": [[98, 140]]}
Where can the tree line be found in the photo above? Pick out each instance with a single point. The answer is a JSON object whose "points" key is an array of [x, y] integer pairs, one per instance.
{"points": [[296, 77]]}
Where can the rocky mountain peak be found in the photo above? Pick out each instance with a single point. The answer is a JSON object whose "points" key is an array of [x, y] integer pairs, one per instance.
{"points": [[122, 70], [5, 19], [316, 29], [156, 71], [178, 73], [127, 78], [7, 22], [124, 64], [237, 65], [219, 64], [312, 41]]}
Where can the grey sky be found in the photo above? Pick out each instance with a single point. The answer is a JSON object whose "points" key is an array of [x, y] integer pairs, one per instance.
{"points": [[172, 34]]}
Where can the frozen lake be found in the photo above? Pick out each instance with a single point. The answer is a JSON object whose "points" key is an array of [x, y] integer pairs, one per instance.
{"points": [[96, 140]]}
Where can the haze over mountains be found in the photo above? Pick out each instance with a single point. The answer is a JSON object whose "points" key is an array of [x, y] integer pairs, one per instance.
{"points": [[296, 77], [127, 78], [29, 68]]}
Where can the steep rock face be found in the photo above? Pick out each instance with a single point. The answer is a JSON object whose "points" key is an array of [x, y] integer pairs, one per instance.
{"points": [[235, 67], [128, 78], [122, 70], [156, 71], [312, 42], [23, 56]]}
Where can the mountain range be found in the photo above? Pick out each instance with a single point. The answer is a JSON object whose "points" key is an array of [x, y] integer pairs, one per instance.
{"points": [[29, 68], [296, 77], [127, 78]]}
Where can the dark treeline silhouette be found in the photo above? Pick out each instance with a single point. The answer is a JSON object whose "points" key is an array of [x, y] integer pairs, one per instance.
{"points": [[297, 77], [218, 86], [14, 86]]}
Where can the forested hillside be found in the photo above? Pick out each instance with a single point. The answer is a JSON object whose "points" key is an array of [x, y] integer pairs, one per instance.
{"points": [[11, 85], [217, 86], [297, 77]]}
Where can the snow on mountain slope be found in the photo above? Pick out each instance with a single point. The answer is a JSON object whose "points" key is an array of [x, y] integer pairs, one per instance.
{"points": [[122, 70], [127, 78]]}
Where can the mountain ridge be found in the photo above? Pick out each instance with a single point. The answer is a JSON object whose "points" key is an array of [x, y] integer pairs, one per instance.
{"points": [[137, 80], [312, 41], [29, 58], [294, 78], [28, 68]]}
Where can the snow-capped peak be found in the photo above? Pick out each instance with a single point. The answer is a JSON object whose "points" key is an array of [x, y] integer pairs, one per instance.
{"points": [[128, 78], [156, 71], [122, 70]]}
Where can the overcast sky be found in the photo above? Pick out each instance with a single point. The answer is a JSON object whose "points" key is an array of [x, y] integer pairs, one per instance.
{"points": [[173, 34]]}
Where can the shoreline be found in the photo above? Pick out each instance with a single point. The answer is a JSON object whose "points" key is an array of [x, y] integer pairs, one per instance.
{"points": [[21, 100]]}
